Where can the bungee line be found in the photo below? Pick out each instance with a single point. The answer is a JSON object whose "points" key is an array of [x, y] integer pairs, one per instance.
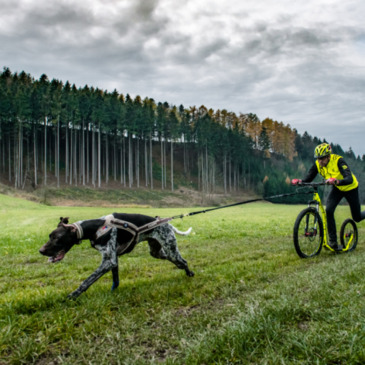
{"points": [[239, 203]]}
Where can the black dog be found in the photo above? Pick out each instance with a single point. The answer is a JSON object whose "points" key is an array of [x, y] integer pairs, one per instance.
{"points": [[112, 236]]}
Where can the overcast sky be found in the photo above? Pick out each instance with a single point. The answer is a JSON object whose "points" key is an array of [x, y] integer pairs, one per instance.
{"points": [[298, 62]]}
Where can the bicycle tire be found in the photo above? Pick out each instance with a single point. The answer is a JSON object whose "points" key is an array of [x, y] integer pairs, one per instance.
{"points": [[308, 240], [349, 235]]}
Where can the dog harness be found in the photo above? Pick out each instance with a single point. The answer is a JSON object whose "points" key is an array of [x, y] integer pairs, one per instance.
{"points": [[111, 222]]}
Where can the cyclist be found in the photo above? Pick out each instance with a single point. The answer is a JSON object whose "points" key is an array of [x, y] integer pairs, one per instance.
{"points": [[336, 172]]}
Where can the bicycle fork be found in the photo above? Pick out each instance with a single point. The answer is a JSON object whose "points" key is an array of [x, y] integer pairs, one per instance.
{"points": [[310, 231], [319, 209]]}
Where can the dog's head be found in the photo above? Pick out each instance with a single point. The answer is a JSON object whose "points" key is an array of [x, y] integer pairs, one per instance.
{"points": [[60, 241]]}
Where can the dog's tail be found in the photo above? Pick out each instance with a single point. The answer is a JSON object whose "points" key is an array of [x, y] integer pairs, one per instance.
{"points": [[181, 233]]}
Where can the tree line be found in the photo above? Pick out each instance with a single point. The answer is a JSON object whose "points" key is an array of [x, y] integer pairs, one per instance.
{"points": [[54, 133]]}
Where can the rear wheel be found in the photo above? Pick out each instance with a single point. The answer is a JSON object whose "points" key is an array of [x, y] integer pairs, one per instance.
{"points": [[308, 233], [348, 235]]}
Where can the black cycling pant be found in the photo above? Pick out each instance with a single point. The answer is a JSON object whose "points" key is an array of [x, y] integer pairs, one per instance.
{"points": [[333, 200]]}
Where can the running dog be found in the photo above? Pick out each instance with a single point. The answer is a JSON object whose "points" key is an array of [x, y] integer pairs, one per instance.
{"points": [[115, 235]]}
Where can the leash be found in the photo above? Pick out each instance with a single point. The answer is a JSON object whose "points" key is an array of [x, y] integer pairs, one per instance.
{"points": [[239, 203], [111, 222]]}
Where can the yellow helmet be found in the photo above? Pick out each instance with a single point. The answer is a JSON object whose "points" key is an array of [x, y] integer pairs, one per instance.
{"points": [[322, 150]]}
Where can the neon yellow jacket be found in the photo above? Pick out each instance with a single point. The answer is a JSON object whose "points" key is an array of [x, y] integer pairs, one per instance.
{"points": [[332, 170]]}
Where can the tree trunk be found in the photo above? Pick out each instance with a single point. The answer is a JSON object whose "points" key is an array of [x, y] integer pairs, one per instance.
{"points": [[93, 159], [83, 160], [35, 156], [99, 157], [16, 158], [172, 165], [162, 166], [66, 155], [87, 154], [45, 151], [1, 151], [206, 169], [58, 153], [184, 155], [115, 168], [146, 162], [106, 159], [213, 176], [225, 172], [230, 173], [20, 156], [122, 162], [137, 162], [130, 160], [75, 156], [151, 166], [165, 163], [71, 155], [9, 154]]}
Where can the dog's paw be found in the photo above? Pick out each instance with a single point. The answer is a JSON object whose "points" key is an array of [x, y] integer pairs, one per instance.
{"points": [[73, 295], [190, 273], [115, 285]]}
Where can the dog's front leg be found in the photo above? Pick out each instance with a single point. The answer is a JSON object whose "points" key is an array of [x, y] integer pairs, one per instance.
{"points": [[115, 271], [105, 266], [109, 262], [114, 259]]}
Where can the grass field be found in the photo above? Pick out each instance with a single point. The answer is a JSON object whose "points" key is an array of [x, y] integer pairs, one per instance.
{"points": [[252, 300]]}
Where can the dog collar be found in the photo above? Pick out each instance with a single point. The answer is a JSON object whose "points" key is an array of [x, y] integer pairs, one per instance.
{"points": [[79, 230]]}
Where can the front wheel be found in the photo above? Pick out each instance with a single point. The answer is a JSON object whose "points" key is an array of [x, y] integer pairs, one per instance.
{"points": [[308, 233], [348, 235]]}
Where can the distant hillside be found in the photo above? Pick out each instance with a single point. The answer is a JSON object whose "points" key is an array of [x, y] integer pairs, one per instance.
{"points": [[57, 135]]}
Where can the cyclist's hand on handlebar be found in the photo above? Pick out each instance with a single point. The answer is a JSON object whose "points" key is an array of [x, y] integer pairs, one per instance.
{"points": [[296, 181], [332, 181]]}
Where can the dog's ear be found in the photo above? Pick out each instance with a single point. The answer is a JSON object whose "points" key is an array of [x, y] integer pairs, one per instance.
{"points": [[63, 220], [71, 227]]}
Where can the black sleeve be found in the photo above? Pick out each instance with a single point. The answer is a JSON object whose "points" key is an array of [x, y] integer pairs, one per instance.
{"points": [[312, 173], [345, 172]]}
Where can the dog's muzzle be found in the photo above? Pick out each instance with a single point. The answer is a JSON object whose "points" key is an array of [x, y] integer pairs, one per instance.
{"points": [[58, 257], [53, 258]]}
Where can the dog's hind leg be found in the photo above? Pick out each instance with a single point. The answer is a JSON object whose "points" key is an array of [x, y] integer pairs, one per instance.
{"points": [[173, 255], [156, 250], [166, 242], [109, 262]]}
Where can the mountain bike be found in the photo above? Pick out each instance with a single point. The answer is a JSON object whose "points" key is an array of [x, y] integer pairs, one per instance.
{"points": [[310, 228]]}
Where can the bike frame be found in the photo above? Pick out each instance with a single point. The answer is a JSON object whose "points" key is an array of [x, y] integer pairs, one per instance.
{"points": [[320, 209]]}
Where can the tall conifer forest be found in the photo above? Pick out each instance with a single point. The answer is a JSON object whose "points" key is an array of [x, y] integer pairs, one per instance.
{"points": [[53, 133]]}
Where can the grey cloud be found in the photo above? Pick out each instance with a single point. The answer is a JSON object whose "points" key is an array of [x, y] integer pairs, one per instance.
{"points": [[303, 69], [145, 9], [271, 42]]}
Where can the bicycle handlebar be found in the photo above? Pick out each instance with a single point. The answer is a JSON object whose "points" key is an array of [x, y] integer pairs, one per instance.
{"points": [[314, 184]]}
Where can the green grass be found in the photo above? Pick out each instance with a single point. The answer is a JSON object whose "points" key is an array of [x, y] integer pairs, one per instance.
{"points": [[252, 300]]}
